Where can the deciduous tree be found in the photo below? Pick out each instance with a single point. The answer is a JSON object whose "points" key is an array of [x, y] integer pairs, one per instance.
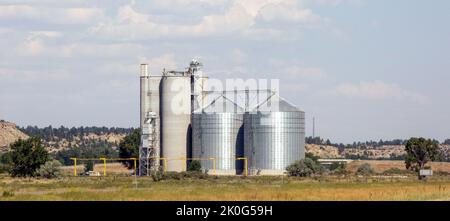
{"points": [[419, 151]]}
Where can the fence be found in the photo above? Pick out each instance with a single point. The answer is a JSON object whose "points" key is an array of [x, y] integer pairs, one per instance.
{"points": [[104, 160]]}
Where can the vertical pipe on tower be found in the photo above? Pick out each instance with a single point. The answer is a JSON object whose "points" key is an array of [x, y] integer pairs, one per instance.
{"points": [[144, 101], [144, 109]]}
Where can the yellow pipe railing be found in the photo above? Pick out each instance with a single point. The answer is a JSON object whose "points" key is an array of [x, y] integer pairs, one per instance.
{"points": [[245, 164], [214, 165], [75, 166], [104, 165], [164, 159]]}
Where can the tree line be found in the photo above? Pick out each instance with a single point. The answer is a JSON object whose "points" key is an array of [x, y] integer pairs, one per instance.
{"points": [[83, 148], [363, 145], [50, 133]]}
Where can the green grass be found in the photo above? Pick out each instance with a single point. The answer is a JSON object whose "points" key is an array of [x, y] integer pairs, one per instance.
{"points": [[225, 188]]}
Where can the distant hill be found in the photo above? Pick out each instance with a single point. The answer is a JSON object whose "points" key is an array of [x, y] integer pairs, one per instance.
{"points": [[63, 138], [92, 142], [9, 133], [385, 152], [64, 143]]}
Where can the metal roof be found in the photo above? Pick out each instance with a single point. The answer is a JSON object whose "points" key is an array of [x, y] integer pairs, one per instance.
{"points": [[220, 104], [275, 103]]}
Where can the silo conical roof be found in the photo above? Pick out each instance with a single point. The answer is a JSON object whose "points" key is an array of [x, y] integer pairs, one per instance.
{"points": [[275, 103], [220, 104]]}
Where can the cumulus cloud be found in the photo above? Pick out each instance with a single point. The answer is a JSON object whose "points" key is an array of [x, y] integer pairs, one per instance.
{"points": [[286, 13], [293, 69], [299, 72], [31, 47], [378, 90], [27, 75], [33, 44], [164, 61], [240, 17], [157, 64], [131, 25], [98, 50], [91, 47], [50, 15]]}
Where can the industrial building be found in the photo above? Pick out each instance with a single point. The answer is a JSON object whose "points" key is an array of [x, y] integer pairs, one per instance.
{"points": [[182, 120]]}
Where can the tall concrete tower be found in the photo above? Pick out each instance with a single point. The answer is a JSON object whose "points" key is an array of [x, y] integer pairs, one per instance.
{"points": [[149, 149]]}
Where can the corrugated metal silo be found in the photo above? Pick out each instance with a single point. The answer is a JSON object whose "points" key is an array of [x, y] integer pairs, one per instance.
{"points": [[217, 132], [175, 119], [274, 137]]}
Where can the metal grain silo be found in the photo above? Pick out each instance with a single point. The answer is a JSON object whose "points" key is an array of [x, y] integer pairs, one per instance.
{"points": [[274, 137], [175, 119], [217, 133]]}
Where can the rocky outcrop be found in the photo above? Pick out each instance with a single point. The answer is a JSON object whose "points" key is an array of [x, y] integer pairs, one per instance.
{"points": [[323, 151], [9, 134]]}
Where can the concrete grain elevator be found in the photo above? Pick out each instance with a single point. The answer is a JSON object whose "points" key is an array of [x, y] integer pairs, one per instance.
{"points": [[181, 120]]}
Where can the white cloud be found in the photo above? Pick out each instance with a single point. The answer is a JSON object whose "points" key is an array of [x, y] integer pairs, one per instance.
{"points": [[293, 69], [190, 7], [299, 72], [290, 87], [82, 15], [31, 46], [238, 56], [287, 13], [157, 64], [46, 34], [15, 11], [378, 90], [130, 24], [332, 2], [51, 15], [98, 50], [239, 17], [34, 43], [164, 61], [19, 76]]}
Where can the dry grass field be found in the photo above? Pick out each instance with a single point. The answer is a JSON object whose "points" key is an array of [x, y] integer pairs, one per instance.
{"points": [[225, 189], [111, 169], [381, 165], [378, 165], [119, 185]]}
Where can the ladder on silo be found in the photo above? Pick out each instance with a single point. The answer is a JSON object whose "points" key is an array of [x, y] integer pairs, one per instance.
{"points": [[148, 152]]}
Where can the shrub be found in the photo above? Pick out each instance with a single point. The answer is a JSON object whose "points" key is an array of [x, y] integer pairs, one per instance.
{"points": [[89, 166], [337, 166], [5, 162], [51, 169], [157, 175], [365, 169], [312, 157], [194, 175], [304, 168], [172, 176], [395, 170], [4, 168], [441, 173], [195, 165], [300, 169], [7, 193], [6, 158]]}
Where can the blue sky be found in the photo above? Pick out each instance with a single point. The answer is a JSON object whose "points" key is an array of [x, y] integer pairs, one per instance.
{"points": [[366, 69]]}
